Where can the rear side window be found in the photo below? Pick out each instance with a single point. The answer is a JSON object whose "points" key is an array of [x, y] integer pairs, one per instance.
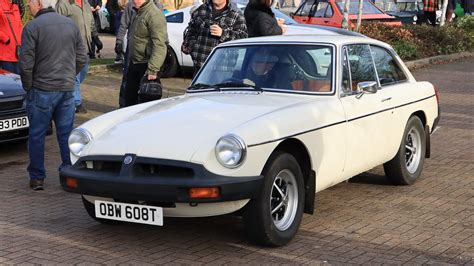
{"points": [[175, 18], [387, 67]]}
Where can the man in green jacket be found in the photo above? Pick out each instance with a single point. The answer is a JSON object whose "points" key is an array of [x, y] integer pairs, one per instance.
{"points": [[147, 47], [79, 11]]}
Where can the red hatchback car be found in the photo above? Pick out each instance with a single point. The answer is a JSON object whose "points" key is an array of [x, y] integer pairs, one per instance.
{"points": [[330, 13]]}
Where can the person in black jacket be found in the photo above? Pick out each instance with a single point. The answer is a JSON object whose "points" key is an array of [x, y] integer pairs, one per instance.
{"points": [[212, 23], [261, 20], [52, 54], [95, 8]]}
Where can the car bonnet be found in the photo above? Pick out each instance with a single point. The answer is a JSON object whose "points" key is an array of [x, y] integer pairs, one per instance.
{"points": [[10, 84], [176, 128]]}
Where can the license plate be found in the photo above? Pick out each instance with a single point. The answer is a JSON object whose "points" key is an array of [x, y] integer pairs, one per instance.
{"points": [[14, 123], [126, 212]]}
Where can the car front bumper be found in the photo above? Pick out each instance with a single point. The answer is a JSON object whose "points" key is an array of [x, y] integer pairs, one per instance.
{"points": [[160, 181]]}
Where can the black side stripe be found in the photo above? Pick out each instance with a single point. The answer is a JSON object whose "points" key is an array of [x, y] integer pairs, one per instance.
{"points": [[296, 134], [337, 123]]}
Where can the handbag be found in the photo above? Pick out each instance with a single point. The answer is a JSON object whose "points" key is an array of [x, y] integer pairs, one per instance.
{"points": [[149, 90], [17, 47]]}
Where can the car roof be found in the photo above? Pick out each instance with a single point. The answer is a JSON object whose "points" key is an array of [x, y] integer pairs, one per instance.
{"points": [[337, 40], [326, 30]]}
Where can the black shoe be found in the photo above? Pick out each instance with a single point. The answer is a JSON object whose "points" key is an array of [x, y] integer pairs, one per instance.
{"points": [[118, 59], [36, 184], [80, 109]]}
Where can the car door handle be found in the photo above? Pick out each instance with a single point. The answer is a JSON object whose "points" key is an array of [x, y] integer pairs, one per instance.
{"points": [[386, 99]]}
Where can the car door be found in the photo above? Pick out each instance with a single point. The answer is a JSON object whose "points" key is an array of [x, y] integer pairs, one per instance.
{"points": [[322, 14], [367, 114], [176, 24], [396, 92]]}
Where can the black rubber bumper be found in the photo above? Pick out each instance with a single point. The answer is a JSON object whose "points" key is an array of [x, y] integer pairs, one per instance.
{"points": [[164, 186]]}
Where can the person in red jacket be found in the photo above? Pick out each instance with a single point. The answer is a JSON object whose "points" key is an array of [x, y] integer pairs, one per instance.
{"points": [[10, 35]]}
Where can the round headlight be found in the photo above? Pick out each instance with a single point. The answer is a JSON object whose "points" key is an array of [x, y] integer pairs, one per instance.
{"points": [[78, 139], [230, 151], [415, 18]]}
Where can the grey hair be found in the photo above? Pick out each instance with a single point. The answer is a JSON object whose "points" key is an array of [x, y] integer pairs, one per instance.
{"points": [[48, 3]]}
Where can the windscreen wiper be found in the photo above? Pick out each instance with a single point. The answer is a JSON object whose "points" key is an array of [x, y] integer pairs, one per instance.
{"points": [[202, 86], [238, 85]]}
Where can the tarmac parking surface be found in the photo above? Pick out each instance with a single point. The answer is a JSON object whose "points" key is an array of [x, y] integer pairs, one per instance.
{"points": [[365, 220]]}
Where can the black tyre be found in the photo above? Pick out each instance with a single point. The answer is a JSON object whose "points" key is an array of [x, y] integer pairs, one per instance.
{"points": [[405, 168], [170, 66], [90, 209], [274, 217]]}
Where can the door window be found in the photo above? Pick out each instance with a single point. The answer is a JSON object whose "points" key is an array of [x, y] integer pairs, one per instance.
{"points": [[323, 10], [346, 76], [305, 10], [361, 66], [388, 70]]}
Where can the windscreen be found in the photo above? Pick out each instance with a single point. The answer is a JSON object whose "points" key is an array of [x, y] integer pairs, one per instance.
{"points": [[275, 67]]}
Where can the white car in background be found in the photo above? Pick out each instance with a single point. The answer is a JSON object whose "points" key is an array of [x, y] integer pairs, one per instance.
{"points": [[266, 123], [178, 20]]}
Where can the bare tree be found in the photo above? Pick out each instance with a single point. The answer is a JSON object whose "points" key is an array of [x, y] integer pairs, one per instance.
{"points": [[345, 20], [443, 14], [359, 15]]}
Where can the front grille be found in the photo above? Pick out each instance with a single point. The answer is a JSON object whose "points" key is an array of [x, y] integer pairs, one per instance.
{"points": [[13, 134], [150, 170], [138, 169], [102, 166], [11, 105]]}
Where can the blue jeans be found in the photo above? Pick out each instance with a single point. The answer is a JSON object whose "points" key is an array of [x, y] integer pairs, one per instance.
{"points": [[42, 107], [77, 87], [10, 66]]}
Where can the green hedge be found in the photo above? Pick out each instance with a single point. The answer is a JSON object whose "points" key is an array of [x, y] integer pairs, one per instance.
{"points": [[420, 41]]}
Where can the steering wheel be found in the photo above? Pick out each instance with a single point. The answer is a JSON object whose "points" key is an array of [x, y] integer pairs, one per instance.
{"points": [[232, 80]]}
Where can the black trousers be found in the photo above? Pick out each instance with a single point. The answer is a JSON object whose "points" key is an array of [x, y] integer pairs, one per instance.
{"points": [[431, 18], [135, 73]]}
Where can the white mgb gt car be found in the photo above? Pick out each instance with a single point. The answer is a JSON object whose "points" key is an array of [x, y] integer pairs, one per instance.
{"points": [[265, 124]]}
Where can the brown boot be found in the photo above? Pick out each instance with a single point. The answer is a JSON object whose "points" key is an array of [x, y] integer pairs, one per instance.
{"points": [[36, 184]]}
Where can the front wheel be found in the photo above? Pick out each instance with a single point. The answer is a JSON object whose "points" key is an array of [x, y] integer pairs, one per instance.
{"points": [[274, 217], [405, 168]]}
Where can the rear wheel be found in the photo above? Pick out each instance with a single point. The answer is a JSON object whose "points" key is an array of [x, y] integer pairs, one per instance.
{"points": [[405, 168], [274, 217], [90, 209], [170, 66]]}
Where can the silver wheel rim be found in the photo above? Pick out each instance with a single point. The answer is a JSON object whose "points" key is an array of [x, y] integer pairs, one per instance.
{"points": [[284, 199], [413, 150]]}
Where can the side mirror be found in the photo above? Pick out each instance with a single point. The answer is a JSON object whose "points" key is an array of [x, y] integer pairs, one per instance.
{"points": [[366, 87]]}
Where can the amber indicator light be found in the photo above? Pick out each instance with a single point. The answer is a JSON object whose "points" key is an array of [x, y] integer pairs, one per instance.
{"points": [[204, 193], [71, 182]]}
